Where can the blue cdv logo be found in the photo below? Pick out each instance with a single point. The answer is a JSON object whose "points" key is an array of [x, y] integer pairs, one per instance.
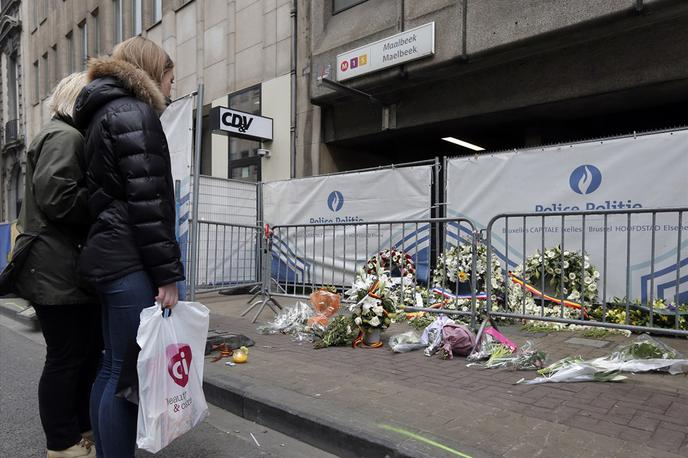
{"points": [[335, 201], [585, 179]]}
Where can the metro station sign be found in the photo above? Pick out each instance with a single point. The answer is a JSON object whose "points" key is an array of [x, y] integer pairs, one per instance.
{"points": [[403, 47]]}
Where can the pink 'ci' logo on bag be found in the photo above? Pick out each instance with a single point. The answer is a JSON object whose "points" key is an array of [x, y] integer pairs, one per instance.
{"points": [[179, 361]]}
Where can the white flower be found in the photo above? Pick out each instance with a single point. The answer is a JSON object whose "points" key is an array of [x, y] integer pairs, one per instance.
{"points": [[566, 253], [358, 320], [588, 280], [592, 287], [348, 329], [378, 310], [586, 265], [367, 302], [375, 321], [572, 276], [566, 264], [596, 274]]}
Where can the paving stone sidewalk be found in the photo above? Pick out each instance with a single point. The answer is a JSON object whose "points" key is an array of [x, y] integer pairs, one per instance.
{"points": [[470, 410]]}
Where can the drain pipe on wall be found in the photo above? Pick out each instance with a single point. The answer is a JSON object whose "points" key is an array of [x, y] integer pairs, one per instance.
{"points": [[292, 127], [464, 33]]}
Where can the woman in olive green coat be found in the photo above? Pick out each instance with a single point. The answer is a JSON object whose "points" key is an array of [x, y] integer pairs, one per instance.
{"points": [[53, 223]]}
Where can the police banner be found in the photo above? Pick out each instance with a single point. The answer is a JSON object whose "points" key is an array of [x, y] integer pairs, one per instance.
{"points": [[329, 254], [177, 121], [648, 171]]}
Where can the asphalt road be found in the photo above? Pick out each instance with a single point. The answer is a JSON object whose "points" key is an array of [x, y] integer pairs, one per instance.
{"points": [[222, 434]]}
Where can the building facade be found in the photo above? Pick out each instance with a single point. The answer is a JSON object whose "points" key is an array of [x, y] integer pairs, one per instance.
{"points": [[239, 50], [12, 151], [499, 75]]}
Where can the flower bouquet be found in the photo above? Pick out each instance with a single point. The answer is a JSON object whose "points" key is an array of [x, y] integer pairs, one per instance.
{"points": [[393, 261], [664, 313], [456, 263], [373, 301], [453, 271], [568, 275]]}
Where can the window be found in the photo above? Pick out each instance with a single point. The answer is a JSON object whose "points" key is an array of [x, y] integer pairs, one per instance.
{"points": [[34, 15], [83, 32], [16, 188], [96, 32], [46, 75], [55, 76], [206, 143], [12, 90], [157, 11], [117, 5], [340, 5], [244, 162], [36, 83], [206, 140], [44, 11], [70, 53], [137, 19]]}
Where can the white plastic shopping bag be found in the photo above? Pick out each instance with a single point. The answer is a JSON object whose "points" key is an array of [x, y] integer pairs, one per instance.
{"points": [[170, 371]]}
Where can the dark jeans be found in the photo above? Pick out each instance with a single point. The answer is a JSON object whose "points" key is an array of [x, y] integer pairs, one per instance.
{"points": [[74, 343], [114, 418]]}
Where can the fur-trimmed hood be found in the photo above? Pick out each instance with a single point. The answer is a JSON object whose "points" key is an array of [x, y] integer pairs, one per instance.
{"points": [[132, 78], [111, 79]]}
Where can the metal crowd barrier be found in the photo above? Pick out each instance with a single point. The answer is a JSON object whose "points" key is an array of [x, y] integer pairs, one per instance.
{"points": [[227, 256], [305, 258], [625, 261], [621, 245]]}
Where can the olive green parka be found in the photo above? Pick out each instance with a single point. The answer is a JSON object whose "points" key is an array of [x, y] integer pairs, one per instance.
{"points": [[54, 218]]}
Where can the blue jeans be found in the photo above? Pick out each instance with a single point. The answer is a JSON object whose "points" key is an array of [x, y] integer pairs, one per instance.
{"points": [[114, 418]]}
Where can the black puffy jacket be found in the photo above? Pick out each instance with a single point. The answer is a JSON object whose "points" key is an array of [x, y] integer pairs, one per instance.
{"points": [[130, 187]]}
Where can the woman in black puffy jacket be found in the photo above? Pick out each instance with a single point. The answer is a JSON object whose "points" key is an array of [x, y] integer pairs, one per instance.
{"points": [[131, 255]]}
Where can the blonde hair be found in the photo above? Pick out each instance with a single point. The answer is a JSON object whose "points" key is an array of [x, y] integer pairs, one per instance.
{"points": [[146, 55], [63, 98]]}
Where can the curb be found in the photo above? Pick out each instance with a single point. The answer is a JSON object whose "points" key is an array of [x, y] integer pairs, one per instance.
{"points": [[283, 411]]}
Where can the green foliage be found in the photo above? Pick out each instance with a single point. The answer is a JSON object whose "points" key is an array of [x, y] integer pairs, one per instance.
{"points": [[340, 332], [419, 323]]}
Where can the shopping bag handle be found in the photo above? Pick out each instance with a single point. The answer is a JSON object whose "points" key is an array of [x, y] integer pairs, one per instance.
{"points": [[166, 312]]}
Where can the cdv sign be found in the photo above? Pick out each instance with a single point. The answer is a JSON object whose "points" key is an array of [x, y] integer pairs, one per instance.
{"points": [[241, 124]]}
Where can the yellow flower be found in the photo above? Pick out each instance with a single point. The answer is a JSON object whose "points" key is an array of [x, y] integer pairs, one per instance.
{"points": [[463, 276]]}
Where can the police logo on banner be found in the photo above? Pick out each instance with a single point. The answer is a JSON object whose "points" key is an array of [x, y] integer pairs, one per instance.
{"points": [[585, 179], [335, 201]]}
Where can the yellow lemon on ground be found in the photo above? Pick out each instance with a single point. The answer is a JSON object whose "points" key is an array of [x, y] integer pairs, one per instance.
{"points": [[240, 355]]}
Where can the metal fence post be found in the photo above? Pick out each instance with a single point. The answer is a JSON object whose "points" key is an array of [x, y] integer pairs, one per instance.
{"points": [[439, 228], [193, 260]]}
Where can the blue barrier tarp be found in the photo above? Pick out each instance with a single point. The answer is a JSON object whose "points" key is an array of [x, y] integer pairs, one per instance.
{"points": [[5, 243]]}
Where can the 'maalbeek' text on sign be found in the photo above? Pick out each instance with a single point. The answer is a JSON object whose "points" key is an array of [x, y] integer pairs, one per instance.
{"points": [[397, 49]]}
